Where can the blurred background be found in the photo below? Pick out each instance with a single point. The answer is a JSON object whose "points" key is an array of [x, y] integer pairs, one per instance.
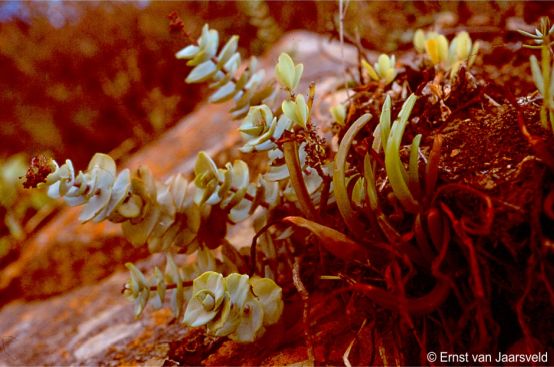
{"points": [[83, 77]]}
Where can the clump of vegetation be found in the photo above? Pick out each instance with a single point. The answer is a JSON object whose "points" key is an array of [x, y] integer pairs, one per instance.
{"points": [[21, 212], [370, 231]]}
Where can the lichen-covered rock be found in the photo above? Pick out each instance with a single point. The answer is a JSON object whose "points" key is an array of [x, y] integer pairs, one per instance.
{"points": [[88, 326], [65, 289]]}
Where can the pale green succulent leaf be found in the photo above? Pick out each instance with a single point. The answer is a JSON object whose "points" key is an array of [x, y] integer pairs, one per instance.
{"points": [[277, 173], [141, 302], [443, 48], [54, 192], [287, 73], [120, 190], [527, 34], [370, 70], [223, 93], [270, 296], [213, 43], [413, 166], [202, 72], [238, 287], [419, 40], [187, 52], [212, 281], [537, 74], [302, 111], [226, 321], [339, 176], [460, 47], [474, 51], [289, 109], [103, 162], [200, 57], [137, 275], [228, 179], [371, 189], [208, 295], [297, 110], [138, 233], [393, 165], [131, 207], [240, 174], [232, 65], [174, 275], [436, 46], [282, 125], [406, 110], [196, 314], [96, 204], [228, 50], [206, 167], [385, 122], [339, 113], [298, 70], [241, 211], [383, 64], [251, 322], [257, 121], [254, 81]]}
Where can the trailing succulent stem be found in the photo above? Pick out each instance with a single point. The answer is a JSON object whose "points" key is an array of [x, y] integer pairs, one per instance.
{"points": [[170, 217], [245, 89]]}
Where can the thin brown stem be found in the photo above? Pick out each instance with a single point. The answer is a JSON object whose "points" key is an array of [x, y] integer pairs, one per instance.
{"points": [[296, 279], [187, 283]]}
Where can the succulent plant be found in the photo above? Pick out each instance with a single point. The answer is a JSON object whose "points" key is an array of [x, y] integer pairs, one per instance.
{"points": [[449, 57], [246, 88], [339, 113], [383, 70], [261, 129], [297, 111], [236, 306], [231, 189], [287, 73], [370, 214], [396, 172]]}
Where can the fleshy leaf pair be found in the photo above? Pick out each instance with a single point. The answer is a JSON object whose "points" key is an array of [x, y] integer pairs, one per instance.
{"points": [[236, 306], [439, 52], [383, 70]]}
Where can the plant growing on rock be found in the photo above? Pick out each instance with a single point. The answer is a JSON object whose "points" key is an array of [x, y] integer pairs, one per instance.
{"points": [[384, 238]]}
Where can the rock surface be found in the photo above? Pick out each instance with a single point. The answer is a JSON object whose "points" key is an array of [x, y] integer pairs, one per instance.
{"points": [[62, 301]]}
